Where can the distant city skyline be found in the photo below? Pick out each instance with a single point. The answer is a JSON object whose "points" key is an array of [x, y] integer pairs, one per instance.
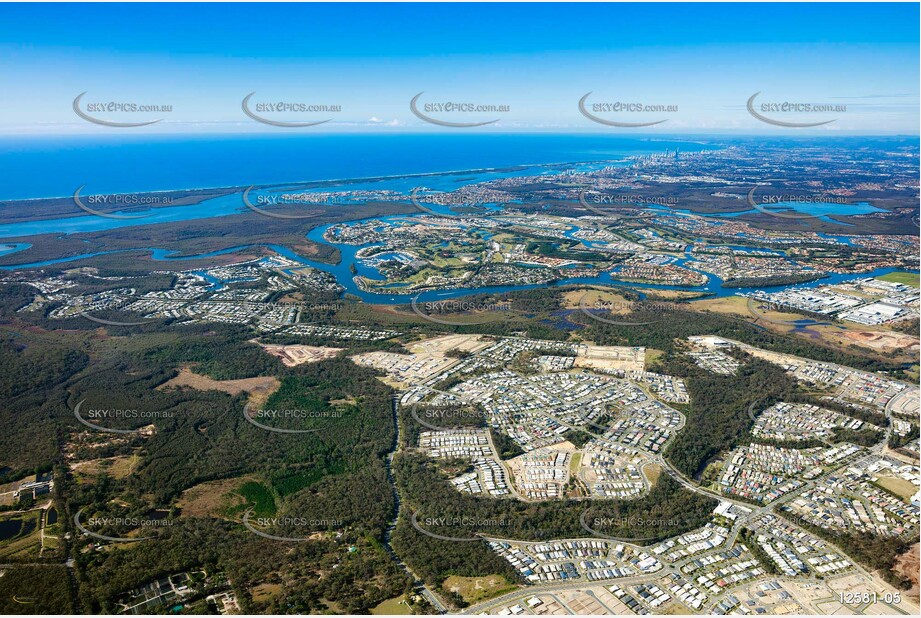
{"points": [[701, 64]]}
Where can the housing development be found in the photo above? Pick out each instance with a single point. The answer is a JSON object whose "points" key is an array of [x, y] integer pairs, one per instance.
{"points": [[618, 386], [762, 548]]}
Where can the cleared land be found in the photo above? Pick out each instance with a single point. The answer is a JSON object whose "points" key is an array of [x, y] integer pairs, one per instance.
{"points": [[839, 335], [211, 499], [294, 355], [405, 369], [881, 341], [475, 589], [117, 467], [597, 298], [907, 565], [263, 385], [612, 357], [439, 346], [652, 473], [905, 404]]}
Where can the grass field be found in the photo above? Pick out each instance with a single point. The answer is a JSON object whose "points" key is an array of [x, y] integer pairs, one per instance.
{"points": [[264, 593], [898, 486], [575, 462], [912, 279], [674, 295], [124, 465], [393, 607], [591, 298], [476, 589], [652, 472], [214, 498], [652, 355]]}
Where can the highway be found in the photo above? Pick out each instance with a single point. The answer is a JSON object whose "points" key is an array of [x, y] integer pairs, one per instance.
{"points": [[419, 585]]}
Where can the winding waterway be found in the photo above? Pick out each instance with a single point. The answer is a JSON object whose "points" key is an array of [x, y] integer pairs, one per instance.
{"points": [[344, 276], [343, 271]]}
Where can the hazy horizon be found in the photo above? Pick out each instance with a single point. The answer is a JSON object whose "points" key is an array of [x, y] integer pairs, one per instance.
{"points": [[702, 62]]}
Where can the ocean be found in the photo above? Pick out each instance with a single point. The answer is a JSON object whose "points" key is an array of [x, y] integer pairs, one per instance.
{"points": [[35, 167]]}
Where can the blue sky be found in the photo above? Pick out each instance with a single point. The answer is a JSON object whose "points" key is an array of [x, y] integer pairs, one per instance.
{"points": [[537, 59]]}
